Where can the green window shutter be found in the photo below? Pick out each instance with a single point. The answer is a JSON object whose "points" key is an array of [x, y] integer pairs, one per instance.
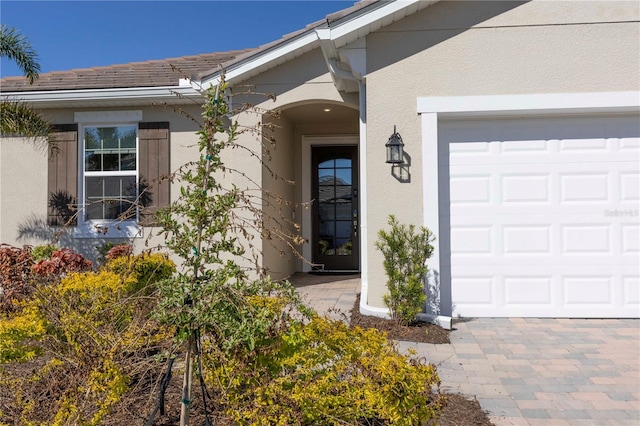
{"points": [[154, 139], [62, 177]]}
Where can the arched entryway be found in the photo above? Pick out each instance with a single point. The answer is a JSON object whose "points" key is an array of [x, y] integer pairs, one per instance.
{"points": [[300, 174]]}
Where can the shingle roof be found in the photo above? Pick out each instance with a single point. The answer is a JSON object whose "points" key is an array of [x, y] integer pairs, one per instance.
{"points": [[156, 73]]}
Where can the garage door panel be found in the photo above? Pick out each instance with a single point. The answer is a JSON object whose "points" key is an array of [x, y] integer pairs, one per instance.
{"points": [[580, 188], [629, 184], [527, 290], [630, 239], [586, 239], [523, 291], [517, 188], [585, 186], [475, 289], [630, 144], [591, 290], [542, 217], [631, 291]]}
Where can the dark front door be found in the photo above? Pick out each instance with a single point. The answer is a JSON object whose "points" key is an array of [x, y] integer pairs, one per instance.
{"points": [[335, 208]]}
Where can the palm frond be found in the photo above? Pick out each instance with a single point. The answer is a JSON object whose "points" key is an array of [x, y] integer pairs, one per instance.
{"points": [[16, 47], [17, 119]]}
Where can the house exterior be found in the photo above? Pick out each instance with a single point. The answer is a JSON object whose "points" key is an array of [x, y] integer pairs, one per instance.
{"points": [[521, 131]]}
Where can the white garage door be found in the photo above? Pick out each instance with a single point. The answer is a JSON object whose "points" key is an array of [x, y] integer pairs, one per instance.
{"points": [[543, 216]]}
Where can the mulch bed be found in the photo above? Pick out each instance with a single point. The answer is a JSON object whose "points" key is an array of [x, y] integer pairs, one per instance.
{"points": [[458, 410], [422, 332]]}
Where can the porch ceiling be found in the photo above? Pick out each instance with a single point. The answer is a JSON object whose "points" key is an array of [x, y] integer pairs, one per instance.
{"points": [[315, 114]]}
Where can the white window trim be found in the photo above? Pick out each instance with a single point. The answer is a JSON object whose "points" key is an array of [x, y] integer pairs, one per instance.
{"points": [[95, 228]]}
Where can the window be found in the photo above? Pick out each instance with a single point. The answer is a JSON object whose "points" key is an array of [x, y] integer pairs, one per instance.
{"points": [[102, 163], [110, 172]]}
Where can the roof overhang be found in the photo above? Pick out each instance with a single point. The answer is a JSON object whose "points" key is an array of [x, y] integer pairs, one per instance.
{"points": [[331, 36], [170, 95]]}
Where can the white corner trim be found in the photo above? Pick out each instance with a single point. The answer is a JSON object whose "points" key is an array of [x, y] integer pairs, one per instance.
{"points": [[530, 104], [100, 117], [373, 311], [441, 320]]}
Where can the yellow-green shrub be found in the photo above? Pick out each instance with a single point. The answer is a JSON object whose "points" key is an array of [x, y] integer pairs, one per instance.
{"points": [[141, 270], [325, 373], [98, 328], [18, 334]]}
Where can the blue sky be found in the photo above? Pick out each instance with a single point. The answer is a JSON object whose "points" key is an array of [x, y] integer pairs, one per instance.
{"points": [[81, 34]]}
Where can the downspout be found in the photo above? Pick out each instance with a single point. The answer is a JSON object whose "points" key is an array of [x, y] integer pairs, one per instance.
{"points": [[365, 308]]}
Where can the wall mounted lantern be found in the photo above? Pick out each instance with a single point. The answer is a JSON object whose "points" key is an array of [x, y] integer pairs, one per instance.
{"points": [[394, 148]]}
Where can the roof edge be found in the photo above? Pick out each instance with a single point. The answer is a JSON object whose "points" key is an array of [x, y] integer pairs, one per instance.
{"points": [[152, 93], [340, 30]]}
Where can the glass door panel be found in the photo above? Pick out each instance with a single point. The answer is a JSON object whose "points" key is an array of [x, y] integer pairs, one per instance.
{"points": [[335, 242]]}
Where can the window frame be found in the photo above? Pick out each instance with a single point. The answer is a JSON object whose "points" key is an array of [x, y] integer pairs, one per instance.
{"points": [[105, 228]]}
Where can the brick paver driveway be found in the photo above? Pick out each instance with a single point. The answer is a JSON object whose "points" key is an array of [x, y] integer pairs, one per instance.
{"points": [[528, 371], [525, 371]]}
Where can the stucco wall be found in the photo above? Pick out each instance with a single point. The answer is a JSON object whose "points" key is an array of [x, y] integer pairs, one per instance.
{"points": [[23, 183], [480, 48], [278, 199]]}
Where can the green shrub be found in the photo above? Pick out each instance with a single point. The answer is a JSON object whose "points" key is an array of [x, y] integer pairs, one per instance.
{"points": [[325, 373], [405, 252], [43, 252]]}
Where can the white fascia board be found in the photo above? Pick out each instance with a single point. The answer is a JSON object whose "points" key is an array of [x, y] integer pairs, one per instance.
{"points": [[314, 36], [38, 97], [460, 106], [263, 59], [366, 19]]}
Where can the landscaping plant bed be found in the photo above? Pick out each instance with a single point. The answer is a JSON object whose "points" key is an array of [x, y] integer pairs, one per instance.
{"points": [[457, 410], [419, 331]]}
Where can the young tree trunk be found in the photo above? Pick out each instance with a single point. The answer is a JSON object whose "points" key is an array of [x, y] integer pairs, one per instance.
{"points": [[186, 384]]}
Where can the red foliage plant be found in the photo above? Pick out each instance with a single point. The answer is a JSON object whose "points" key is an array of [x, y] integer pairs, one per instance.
{"points": [[62, 261], [15, 275], [119, 251]]}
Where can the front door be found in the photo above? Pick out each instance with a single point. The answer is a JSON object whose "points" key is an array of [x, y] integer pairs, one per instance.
{"points": [[335, 208]]}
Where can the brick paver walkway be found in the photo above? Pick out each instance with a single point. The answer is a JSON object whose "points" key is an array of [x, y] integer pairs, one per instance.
{"points": [[525, 371]]}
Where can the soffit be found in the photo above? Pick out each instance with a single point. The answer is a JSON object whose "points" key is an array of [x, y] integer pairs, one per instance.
{"points": [[315, 114]]}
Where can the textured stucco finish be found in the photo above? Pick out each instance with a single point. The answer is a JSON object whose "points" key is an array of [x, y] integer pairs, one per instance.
{"points": [[482, 48], [23, 183]]}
